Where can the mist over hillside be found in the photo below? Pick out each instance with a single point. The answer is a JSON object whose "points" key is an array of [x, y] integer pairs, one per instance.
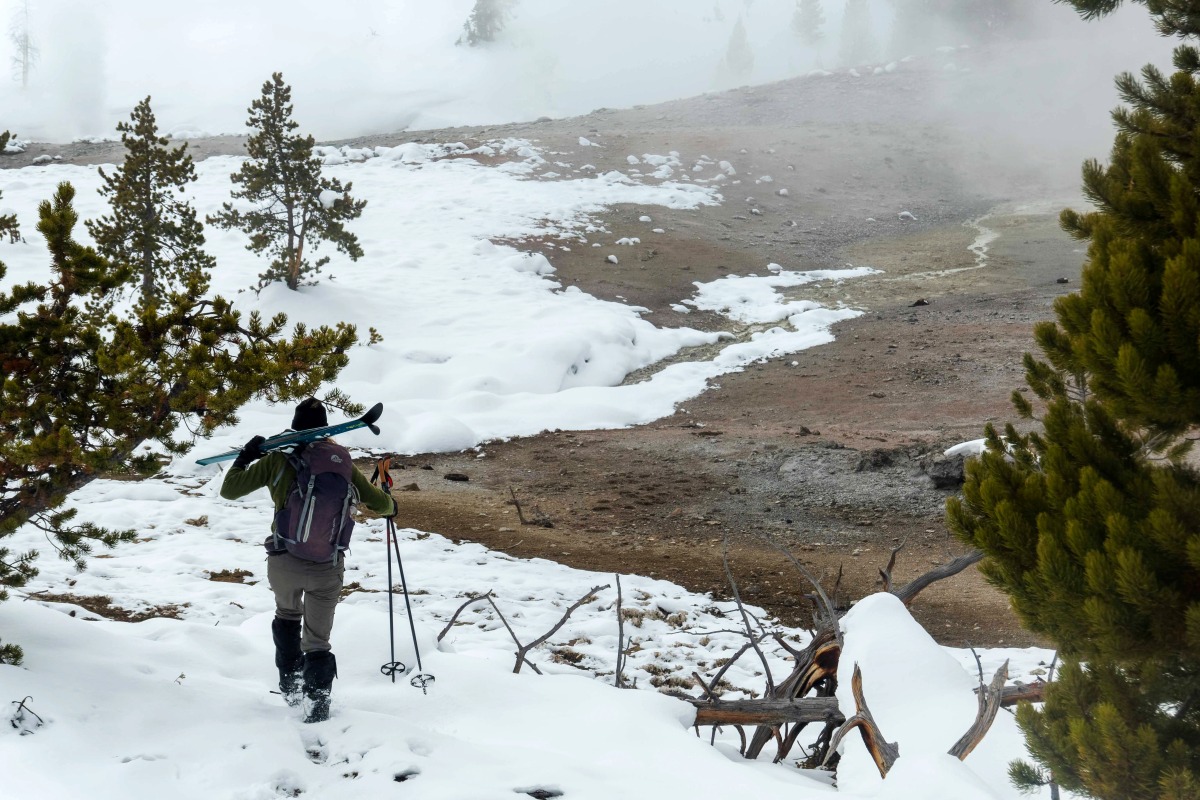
{"points": [[367, 66]]}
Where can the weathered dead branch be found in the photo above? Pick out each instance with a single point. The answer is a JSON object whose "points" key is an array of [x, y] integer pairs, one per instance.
{"points": [[908, 592], [989, 703], [523, 650], [538, 518], [737, 598], [883, 752], [454, 617], [1022, 693], [618, 680], [816, 666], [885, 574], [766, 713], [826, 615]]}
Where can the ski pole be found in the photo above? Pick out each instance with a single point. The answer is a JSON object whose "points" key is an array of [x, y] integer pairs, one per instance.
{"points": [[421, 680], [393, 666]]}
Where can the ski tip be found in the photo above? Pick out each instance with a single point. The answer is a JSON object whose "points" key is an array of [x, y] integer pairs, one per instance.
{"points": [[374, 428], [375, 413]]}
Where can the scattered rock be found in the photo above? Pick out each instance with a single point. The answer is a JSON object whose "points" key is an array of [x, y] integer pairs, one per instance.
{"points": [[944, 471], [412, 487], [874, 460], [456, 476], [1062, 280], [921, 301]]}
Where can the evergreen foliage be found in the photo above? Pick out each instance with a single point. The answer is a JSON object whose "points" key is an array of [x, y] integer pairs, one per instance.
{"points": [[921, 25], [808, 22], [288, 203], [858, 40], [738, 64], [152, 227], [83, 390], [1092, 523], [487, 19]]}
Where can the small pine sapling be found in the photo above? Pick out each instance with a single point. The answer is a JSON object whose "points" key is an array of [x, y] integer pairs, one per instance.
{"points": [[288, 204], [151, 226]]}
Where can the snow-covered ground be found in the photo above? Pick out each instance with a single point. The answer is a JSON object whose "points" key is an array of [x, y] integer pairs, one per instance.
{"points": [[181, 708], [480, 342]]}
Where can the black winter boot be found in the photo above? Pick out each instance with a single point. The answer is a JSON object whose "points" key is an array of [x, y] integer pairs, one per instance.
{"points": [[320, 668], [289, 659]]}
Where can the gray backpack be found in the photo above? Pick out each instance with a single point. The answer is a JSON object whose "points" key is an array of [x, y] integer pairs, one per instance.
{"points": [[315, 521]]}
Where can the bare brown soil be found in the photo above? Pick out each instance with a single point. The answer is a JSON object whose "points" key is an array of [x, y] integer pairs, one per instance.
{"points": [[826, 451]]}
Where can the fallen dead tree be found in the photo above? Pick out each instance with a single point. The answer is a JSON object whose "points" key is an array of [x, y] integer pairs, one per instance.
{"points": [[806, 696], [769, 712], [885, 753]]}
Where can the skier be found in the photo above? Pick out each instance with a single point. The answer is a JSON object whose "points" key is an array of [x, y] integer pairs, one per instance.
{"points": [[307, 582]]}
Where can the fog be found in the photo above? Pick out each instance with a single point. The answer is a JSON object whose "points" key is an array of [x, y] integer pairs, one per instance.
{"points": [[368, 66]]}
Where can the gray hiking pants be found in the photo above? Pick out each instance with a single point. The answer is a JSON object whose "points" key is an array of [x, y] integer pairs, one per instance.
{"points": [[309, 591]]}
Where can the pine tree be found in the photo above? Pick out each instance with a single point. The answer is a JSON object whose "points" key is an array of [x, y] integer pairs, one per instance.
{"points": [[82, 390], [808, 22], [293, 204], [858, 41], [1092, 523], [487, 19], [152, 227], [738, 64]]}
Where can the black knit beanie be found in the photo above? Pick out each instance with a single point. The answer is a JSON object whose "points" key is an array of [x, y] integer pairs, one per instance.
{"points": [[309, 414]]}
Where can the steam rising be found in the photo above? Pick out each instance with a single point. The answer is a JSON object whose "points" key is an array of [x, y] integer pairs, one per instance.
{"points": [[368, 66]]}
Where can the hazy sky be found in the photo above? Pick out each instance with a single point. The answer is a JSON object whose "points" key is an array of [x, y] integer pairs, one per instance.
{"points": [[363, 66]]}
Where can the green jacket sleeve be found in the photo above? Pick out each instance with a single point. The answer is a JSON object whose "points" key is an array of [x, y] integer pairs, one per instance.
{"points": [[375, 499], [241, 481]]}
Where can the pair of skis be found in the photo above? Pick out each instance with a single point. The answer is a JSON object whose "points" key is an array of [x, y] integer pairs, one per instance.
{"points": [[293, 438]]}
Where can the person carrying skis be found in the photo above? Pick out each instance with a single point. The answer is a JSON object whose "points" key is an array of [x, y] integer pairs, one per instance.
{"points": [[313, 488]]}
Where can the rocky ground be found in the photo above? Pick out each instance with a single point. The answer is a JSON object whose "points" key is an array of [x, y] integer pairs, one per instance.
{"points": [[831, 453]]}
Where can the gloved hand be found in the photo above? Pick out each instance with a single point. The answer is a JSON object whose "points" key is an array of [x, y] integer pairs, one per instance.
{"points": [[251, 452]]}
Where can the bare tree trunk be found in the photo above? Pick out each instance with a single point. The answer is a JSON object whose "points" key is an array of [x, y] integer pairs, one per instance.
{"points": [[767, 712]]}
